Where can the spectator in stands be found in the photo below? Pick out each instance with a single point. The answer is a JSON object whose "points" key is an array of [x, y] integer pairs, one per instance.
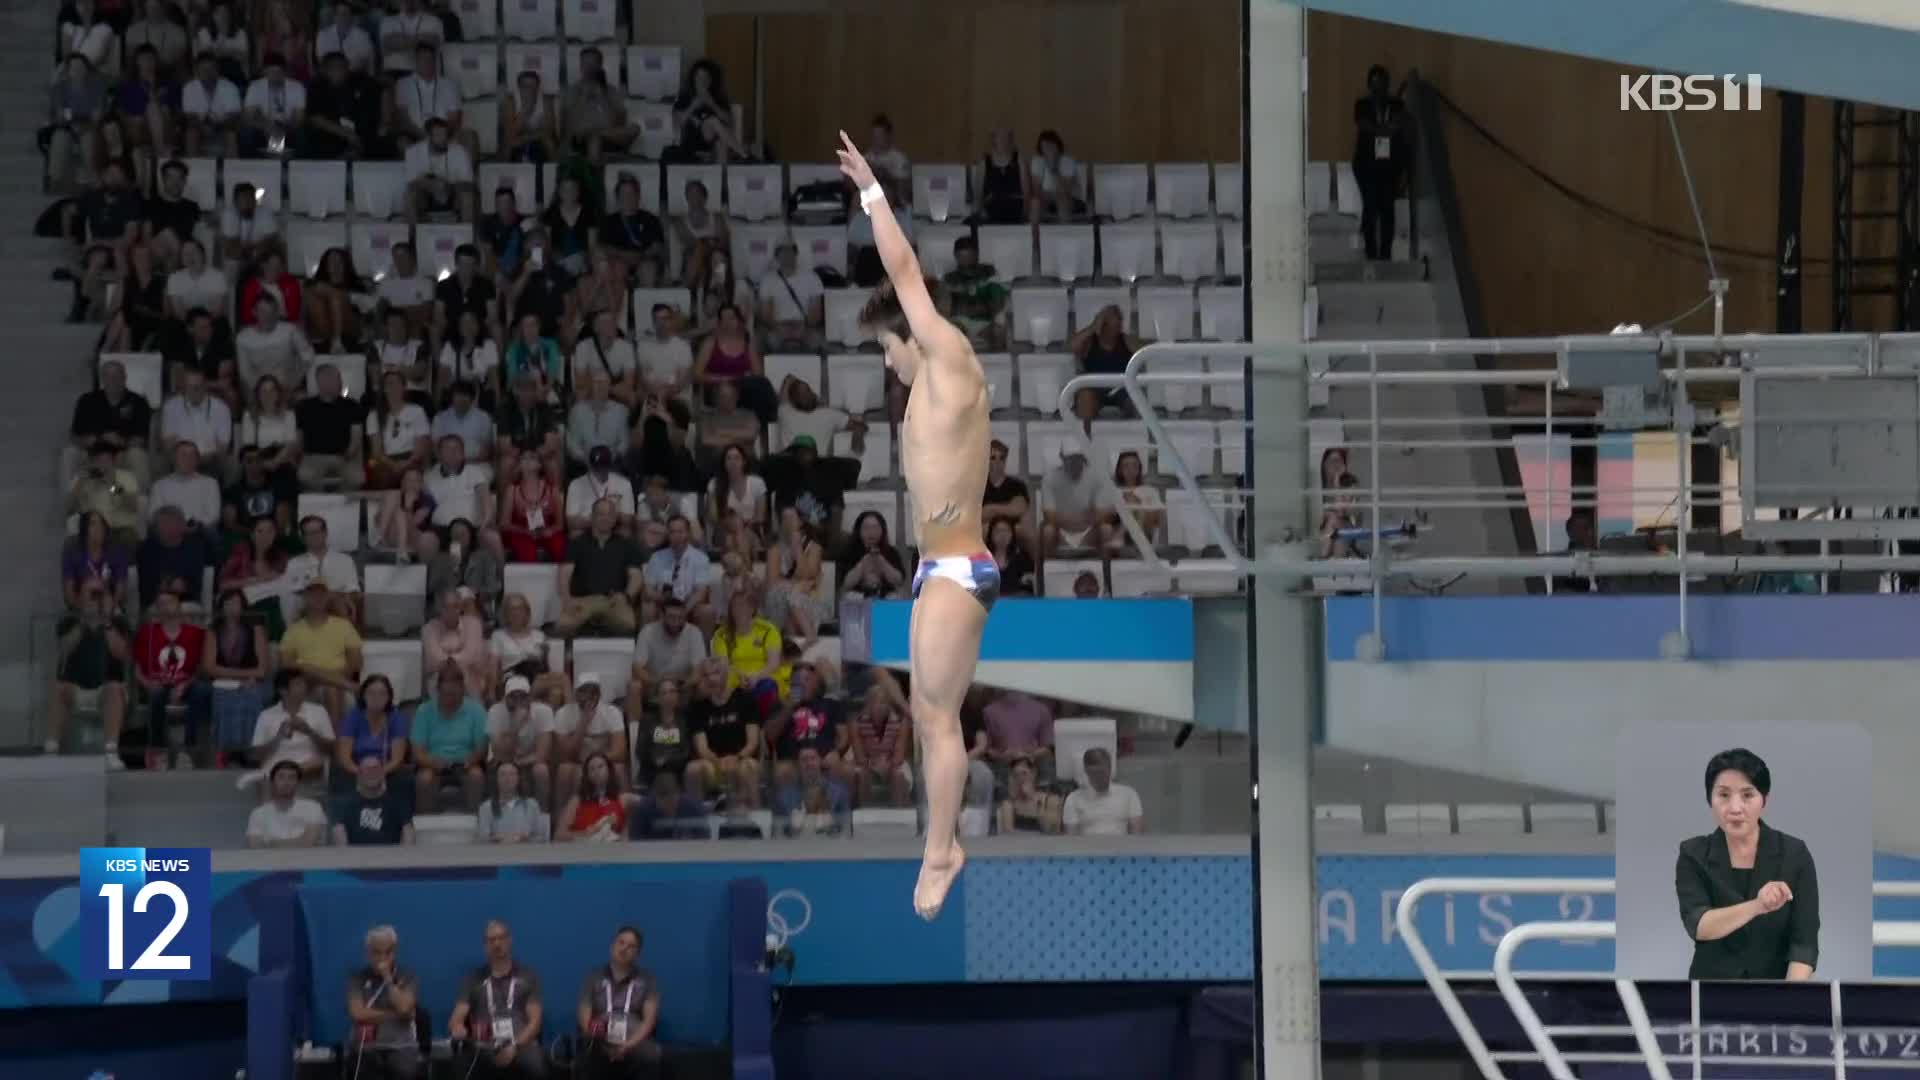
{"points": [[544, 289], [1028, 807], [146, 101], [269, 429], [664, 732], [752, 648], [1020, 726], [570, 225], [247, 229], [665, 358], [520, 648], [597, 810], [976, 299], [870, 565], [171, 218], [603, 291], [329, 427], [1379, 160], [533, 526], [1103, 347], [401, 351], [272, 347], [381, 1002], [294, 729], [703, 113], [271, 279], [795, 559], [596, 113], [346, 112], [802, 414], [187, 489], [257, 494], [596, 425], [679, 571], [1006, 496], [198, 419], [599, 483], [1057, 189], [210, 108], [345, 36], [1071, 512], [287, 819], [1137, 498], [324, 647], [467, 291], [333, 296], [882, 750], [807, 719], [272, 111], [405, 32], [1011, 556], [457, 637], [404, 525], [107, 498], [589, 726], [510, 817], [206, 350], [171, 551], [658, 447], [606, 353], [75, 105], [666, 811], [666, 649], [90, 672], [632, 233], [224, 37], [470, 560], [601, 579], [655, 507], [812, 486], [1342, 513], [256, 563], [281, 35], [94, 557], [375, 727], [1101, 807], [725, 723], [319, 562], [450, 745], [1003, 186], [439, 173], [619, 1011], [531, 121], [139, 306], [1086, 585], [115, 416], [533, 354], [461, 490], [237, 664], [521, 733], [374, 814], [399, 436], [470, 359], [408, 290], [500, 1011], [158, 32], [737, 489], [808, 798], [792, 301]]}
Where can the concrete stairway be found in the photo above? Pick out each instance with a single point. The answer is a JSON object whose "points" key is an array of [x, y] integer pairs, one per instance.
{"points": [[46, 366]]}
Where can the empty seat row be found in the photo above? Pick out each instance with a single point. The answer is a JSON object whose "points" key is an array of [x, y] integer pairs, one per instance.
{"points": [[540, 20], [1472, 819], [485, 68]]}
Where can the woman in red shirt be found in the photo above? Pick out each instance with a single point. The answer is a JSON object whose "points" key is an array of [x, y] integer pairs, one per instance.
{"points": [[598, 811], [274, 279], [535, 529]]}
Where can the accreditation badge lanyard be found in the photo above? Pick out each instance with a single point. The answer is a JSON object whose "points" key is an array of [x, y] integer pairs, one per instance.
{"points": [[502, 1025], [617, 1022]]}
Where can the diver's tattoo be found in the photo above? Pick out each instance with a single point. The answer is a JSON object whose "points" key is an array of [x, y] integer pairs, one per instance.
{"points": [[946, 515]]}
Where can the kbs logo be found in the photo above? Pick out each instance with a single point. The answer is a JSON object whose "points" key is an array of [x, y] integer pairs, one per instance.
{"points": [[1691, 93], [145, 913]]}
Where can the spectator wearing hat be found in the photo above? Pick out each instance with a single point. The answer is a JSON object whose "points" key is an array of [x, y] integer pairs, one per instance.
{"points": [[792, 302], [325, 648], [812, 486], [601, 580], [449, 732], [439, 176], [585, 726], [520, 730], [1071, 506], [599, 483], [597, 422]]}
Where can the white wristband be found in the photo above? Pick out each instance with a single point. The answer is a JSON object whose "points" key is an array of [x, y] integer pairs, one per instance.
{"points": [[871, 194]]}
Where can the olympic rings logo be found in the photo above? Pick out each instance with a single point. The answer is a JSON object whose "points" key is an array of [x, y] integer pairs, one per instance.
{"points": [[789, 913]]}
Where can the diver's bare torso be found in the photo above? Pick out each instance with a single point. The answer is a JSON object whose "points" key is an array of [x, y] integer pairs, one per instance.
{"points": [[943, 451]]}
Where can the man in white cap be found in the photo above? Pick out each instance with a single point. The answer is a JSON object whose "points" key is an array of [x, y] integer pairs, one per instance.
{"points": [[521, 731], [587, 725], [1070, 506]]}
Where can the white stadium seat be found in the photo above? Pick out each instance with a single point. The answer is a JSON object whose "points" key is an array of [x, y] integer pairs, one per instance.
{"points": [[821, 245], [655, 121], [1490, 819], [754, 192], [935, 242], [1127, 250], [1182, 189], [522, 177], [856, 382], [377, 189], [679, 176], [1206, 577], [1046, 439], [1111, 438], [885, 821], [1194, 442], [475, 65], [371, 244], [1223, 315], [143, 374], [352, 368], [998, 370], [645, 299], [396, 595], [479, 19], [589, 20], [1041, 377], [1089, 300], [1008, 249], [875, 456], [1137, 577], [307, 241], [1166, 312], [653, 72], [435, 246], [482, 117], [540, 57], [1066, 252], [843, 316], [342, 515], [1419, 819], [804, 366], [1190, 251], [203, 183], [753, 248], [1228, 189], [540, 584], [263, 175], [530, 20], [1233, 252], [317, 189], [1177, 396], [1233, 446], [399, 661], [609, 658], [1186, 520], [1120, 190], [1564, 819], [940, 192], [1038, 315]]}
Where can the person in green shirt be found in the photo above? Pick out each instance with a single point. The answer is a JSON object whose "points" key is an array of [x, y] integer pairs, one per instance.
{"points": [[449, 733], [978, 301]]}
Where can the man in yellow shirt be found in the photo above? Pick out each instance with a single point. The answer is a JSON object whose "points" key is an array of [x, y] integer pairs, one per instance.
{"points": [[326, 649]]}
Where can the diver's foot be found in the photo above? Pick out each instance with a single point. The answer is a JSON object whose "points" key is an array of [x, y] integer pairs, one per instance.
{"points": [[936, 877]]}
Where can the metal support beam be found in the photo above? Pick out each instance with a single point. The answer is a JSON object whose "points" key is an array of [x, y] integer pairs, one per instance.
{"points": [[1282, 627]]}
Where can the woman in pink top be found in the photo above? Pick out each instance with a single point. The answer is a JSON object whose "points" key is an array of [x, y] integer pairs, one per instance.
{"points": [[456, 634], [729, 355]]}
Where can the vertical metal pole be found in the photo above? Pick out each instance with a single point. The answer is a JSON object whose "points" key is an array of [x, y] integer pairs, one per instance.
{"points": [[1683, 429], [1550, 472], [1373, 515], [1283, 638]]}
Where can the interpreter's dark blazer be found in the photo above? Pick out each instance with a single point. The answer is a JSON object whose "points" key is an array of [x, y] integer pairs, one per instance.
{"points": [[1704, 879]]}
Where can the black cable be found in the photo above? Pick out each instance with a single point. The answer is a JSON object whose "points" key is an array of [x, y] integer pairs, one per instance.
{"points": [[1684, 244]]}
